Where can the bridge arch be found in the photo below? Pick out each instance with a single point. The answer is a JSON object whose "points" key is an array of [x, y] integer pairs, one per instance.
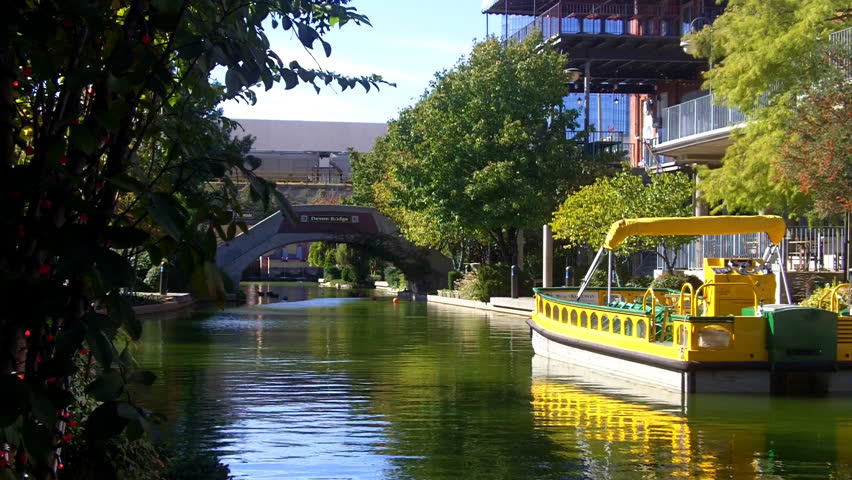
{"points": [[426, 269]]}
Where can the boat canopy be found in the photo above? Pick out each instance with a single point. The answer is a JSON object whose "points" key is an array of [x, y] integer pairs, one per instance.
{"points": [[773, 225]]}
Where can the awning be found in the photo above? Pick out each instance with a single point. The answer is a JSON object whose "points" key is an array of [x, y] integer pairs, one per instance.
{"points": [[772, 225]]}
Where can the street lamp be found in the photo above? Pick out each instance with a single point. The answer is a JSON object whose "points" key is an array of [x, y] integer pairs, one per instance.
{"points": [[687, 46], [573, 74]]}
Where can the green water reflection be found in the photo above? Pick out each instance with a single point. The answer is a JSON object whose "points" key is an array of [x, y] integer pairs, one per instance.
{"points": [[328, 387]]}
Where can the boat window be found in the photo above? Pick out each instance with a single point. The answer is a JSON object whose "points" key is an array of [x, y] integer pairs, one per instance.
{"points": [[616, 325], [574, 317], [547, 311], [605, 323], [681, 335], [641, 330], [594, 321], [584, 320], [628, 327], [538, 304]]}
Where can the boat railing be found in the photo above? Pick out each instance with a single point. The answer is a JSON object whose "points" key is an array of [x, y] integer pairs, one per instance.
{"points": [[693, 308], [834, 297], [684, 332], [680, 307]]}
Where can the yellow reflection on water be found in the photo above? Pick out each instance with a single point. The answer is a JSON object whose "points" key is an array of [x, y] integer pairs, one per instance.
{"points": [[621, 432]]}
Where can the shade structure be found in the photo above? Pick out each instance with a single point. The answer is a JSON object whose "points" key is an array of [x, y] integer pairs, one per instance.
{"points": [[772, 225]]}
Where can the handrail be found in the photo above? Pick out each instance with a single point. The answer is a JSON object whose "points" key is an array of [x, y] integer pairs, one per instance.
{"points": [[680, 298], [694, 303], [652, 325]]}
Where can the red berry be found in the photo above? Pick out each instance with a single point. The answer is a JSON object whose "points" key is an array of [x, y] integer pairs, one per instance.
{"points": [[106, 138], [50, 338], [44, 270], [99, 185], [27, 333], [46, 204], [60, 466], [21, 376], [67, 437], [84, 351], [63, 160], [22, 232], [75, 121], [146, 39], [72, 423], [29, 150], [51, 380], [15, 83], [84, 218], [27, 71]]}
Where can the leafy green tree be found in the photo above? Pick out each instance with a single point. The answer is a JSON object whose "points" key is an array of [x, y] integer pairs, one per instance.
{"points": [[586, 215], [817, 153], [110, 143], [765, 51], [485, 147]]}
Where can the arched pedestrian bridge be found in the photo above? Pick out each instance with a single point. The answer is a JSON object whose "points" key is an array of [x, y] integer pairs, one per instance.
{"points": [[360, 226]]}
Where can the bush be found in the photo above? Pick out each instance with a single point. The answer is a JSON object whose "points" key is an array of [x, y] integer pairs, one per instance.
{"points": [[392, 276], [452, 277], [491, 281], [675, 281], [813, 299], [197, 466], [152, 278], [348, 275], [644, 281], [331, 273]]}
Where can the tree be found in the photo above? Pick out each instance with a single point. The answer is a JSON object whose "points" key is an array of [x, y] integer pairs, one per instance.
{"points": [[586, 215], [817, 153], [764, 51], [110, 143], [485, 148]]}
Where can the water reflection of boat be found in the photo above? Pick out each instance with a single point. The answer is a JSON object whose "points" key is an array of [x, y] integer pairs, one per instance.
{"points": [[626, 430], [728, 335]]}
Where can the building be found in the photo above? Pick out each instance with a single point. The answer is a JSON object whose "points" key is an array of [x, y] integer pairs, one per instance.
{"points": [[301, 152], [625, 59]]}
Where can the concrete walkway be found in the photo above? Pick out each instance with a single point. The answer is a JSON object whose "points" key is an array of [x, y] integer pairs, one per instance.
{"points": [[521, 307], [173, 302]]}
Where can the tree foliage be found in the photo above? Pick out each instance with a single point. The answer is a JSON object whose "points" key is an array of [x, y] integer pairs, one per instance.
{"points": [[484, 151], [586, 215], [110, 145], [765, 52], [817, 153]]}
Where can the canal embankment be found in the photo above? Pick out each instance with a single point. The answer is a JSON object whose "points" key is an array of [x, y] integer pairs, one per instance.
{"points": [[522, 306]]}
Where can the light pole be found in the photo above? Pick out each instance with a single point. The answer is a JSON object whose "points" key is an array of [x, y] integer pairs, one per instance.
{"points": [[689, 47]]}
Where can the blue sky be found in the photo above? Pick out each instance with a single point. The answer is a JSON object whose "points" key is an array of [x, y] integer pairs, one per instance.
{"points": [[408, 42]]}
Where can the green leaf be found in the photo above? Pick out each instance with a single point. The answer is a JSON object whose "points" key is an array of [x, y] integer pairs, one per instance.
{"points": [[41, 406], [121, 311], [69, 340], [108, 386], [38, 440], [290, 78], [100, 346], [114, 269], [126, 237], [127, 183], [167, 214], [83, 139], [104, 423]]}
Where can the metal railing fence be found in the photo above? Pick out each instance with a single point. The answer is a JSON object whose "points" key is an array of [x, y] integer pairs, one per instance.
{"points": [[696, 116], [806, 249]]}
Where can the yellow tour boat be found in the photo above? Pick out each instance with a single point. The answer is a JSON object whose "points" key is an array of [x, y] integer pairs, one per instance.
{"points": [[728, 335]]}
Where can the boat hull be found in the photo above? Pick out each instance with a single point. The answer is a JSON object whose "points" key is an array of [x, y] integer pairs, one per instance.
{"points": [[687, 377]]}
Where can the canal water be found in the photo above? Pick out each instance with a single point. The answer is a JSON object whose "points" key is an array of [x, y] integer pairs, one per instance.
{"points": [[329, 386]]}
